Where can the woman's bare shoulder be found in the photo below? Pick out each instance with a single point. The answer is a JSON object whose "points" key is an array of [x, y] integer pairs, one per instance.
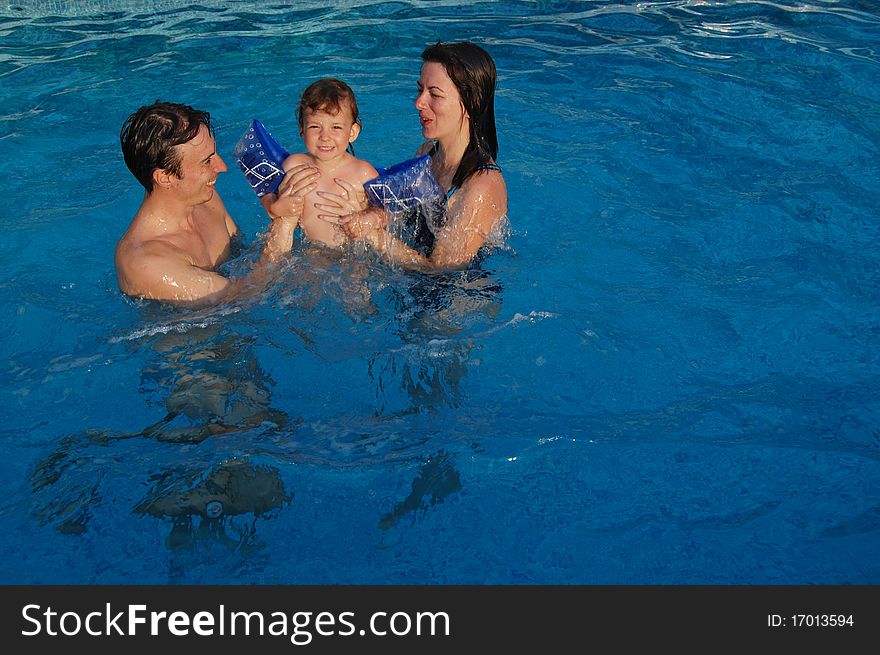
{"points": [[487, 183]]}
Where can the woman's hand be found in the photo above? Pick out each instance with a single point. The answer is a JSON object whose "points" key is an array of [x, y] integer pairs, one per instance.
{"points": [[287, 202], [360, 225], [348, 201], [351, 211]]}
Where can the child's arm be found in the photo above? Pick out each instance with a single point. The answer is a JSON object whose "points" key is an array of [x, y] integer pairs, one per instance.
{"points": [[296, 161]]}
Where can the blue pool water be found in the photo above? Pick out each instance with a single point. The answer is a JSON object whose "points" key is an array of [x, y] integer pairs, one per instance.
{"points": [[669, 375]]}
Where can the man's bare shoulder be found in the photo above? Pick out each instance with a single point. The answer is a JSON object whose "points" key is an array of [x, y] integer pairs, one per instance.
{"points": [[158, 269], [149, 234], [130, 248], [145, 250], [215, 211], [142, 260]]}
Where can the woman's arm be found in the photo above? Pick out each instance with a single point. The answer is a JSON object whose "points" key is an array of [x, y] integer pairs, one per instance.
{"points": [[475, 211]]}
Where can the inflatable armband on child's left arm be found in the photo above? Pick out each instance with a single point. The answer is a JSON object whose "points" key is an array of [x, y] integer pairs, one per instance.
{"points": [[260, 158], [405, 185]]}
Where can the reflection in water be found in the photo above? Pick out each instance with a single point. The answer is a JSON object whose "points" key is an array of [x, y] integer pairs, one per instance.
{"points": [[208, 383], [202, 506], [431, 314], [67, 505], [211, 384], [420, 371], [340, 277], [436, 480], [217, 385]]}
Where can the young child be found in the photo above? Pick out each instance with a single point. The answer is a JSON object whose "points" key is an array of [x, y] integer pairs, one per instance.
{"points": [[328, 123]]}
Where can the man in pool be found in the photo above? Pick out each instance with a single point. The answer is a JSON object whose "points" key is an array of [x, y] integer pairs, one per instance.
{"points": [[182, 232]]}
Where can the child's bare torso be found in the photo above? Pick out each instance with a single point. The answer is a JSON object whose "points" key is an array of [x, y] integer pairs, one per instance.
{"points": [[352, 170]]}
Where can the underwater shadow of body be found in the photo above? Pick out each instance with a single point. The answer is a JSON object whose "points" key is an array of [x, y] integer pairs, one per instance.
{"points": [[436, 480], [215, 387], [201, 503], [432, 313]]}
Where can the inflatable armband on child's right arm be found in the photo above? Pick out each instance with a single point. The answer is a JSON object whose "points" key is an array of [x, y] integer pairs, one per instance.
{"points": [[260, 158], [405, 185]]}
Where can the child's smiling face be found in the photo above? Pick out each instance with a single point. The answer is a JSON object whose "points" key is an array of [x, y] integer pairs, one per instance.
{"points": [[326, 135]]}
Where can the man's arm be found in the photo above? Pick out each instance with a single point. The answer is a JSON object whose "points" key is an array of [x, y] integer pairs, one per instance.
{"points": [[158, 270]]}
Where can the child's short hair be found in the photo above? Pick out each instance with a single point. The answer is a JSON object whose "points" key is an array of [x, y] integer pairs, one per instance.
{"points": [[327, 94]]}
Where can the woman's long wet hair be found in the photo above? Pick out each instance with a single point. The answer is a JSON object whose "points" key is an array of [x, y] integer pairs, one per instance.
{"points": [[472, 71]]}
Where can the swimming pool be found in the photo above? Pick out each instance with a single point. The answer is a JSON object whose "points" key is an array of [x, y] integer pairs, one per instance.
{"points": [[669, 375]]}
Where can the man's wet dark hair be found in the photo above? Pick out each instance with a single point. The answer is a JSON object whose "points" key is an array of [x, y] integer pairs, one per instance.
{"points": [[150, 135]]}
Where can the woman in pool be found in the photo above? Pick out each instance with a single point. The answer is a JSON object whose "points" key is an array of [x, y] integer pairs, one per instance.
{"points": [[456, 105]]}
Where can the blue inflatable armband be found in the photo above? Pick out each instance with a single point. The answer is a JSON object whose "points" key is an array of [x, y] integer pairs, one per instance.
{"points": [[405, 185], [260, 158]]}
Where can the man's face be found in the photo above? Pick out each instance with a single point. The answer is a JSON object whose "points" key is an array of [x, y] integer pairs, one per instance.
{"points": [[199, 167]]}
